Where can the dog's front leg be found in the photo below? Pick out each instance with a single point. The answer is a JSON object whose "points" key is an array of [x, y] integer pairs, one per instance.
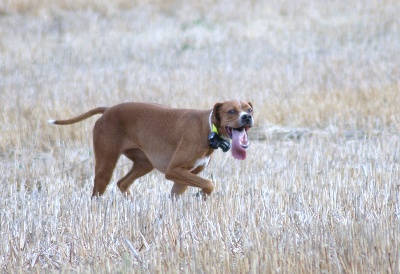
{"points": [[184, 178]]}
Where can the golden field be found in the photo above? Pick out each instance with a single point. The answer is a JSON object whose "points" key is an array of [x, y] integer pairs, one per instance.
{"points": [[318, 193]]}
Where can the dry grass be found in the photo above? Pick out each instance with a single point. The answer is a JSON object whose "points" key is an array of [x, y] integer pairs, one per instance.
{"points": [[319, 191]]}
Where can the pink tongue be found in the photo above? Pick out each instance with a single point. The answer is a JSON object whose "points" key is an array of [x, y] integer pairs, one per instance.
{"points": [[238, 137]]}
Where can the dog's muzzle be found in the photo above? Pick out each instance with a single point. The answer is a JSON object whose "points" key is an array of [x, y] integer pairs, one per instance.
{"points": [[246, 119]]}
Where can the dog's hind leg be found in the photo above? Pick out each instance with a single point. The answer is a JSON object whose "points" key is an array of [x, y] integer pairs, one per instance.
{"points": [[105, 145], [104, 168], [141, 166]]}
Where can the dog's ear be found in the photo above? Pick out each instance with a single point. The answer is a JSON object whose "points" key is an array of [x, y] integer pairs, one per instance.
{"points": [[216, 116], [250, 104]]}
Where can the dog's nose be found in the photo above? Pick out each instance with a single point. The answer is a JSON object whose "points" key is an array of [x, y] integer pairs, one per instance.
{"points": [[247, 118]]}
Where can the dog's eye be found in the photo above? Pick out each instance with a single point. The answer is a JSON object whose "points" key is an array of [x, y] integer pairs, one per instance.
{"points": [[250, 110], [232, 111]]}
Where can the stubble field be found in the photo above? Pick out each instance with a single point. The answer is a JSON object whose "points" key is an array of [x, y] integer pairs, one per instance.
{"points": [[319, 191]]}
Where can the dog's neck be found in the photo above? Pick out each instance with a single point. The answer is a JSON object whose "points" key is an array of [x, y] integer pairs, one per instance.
{"points": [[210, 124], [213, 128], [215, 139]]}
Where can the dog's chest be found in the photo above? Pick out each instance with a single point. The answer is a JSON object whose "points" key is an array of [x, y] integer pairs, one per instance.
{"points": [[202, 162]]}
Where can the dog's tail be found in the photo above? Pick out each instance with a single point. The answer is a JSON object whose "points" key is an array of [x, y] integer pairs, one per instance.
{"points": [[90, 113]]}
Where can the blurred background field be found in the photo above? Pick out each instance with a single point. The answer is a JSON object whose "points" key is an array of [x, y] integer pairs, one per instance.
{"points": [[319, 191]]}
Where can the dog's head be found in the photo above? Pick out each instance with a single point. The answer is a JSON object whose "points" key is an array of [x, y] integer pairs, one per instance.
{"points": [[233, 120]]}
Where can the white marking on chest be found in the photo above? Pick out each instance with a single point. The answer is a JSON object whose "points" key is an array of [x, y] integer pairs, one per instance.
{"points": [[201, 162]]}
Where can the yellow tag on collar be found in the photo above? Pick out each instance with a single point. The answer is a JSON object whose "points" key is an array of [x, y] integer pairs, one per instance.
{"points": [[214, 129]]}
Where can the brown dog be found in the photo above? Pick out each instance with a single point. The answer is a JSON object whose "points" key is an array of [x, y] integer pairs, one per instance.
{"points": [[174, 141]]}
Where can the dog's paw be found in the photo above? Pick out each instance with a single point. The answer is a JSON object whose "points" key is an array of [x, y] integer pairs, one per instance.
{"points": [[201, 194]]}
